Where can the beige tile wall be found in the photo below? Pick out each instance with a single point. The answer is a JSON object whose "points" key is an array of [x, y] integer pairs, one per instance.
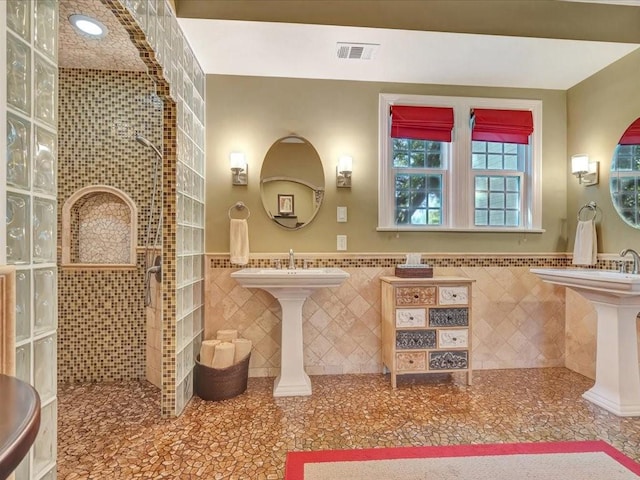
{"points": [[518, 321]]}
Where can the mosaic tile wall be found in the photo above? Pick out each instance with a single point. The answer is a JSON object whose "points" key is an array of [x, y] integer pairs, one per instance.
{"points": [[102, 317], [518, 320], [103, 230], [29, 37], [180, 81]]}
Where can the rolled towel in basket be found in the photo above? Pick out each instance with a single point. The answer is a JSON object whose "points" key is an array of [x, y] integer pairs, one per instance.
{"points": [[243, 347], [223, 355], [227, 335], [206, 351]]}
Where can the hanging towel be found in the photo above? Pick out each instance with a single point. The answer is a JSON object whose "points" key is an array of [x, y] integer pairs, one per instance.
{"points": [[585, 249], [239, 241]]}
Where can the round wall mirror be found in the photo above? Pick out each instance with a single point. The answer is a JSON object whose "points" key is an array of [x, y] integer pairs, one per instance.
{"points": [[625, 175], [292, 182]]}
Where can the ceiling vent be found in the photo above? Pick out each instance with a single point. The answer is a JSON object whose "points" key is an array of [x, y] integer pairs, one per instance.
{"points": [[356, 51]]}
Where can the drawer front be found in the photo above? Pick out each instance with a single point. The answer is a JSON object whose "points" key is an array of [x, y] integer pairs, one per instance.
{"points": [[453, 295], [411, 317], [412, 339], [449, 360], [449, 317], [407, 361], [416, 296], [453, 338]]}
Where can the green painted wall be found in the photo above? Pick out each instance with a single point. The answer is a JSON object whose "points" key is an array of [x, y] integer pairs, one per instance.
{"points": [[599, 110], [341, 117]]}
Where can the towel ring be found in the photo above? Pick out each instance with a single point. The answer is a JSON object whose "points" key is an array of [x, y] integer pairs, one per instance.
{"points": [[591, 207], [240, 206]]}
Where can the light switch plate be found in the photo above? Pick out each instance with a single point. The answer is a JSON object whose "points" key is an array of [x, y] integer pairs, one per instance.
{"points": [[342, 214], [342, 242]]}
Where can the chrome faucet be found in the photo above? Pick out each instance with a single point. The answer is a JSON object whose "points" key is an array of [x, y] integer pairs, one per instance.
{"points": [[292, 260], [634, 255]]}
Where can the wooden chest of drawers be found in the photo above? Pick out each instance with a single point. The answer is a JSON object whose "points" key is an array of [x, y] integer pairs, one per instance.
{"points": [[426, 325]]}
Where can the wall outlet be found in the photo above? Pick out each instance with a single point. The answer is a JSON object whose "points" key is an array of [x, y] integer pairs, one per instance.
{"points": [[342, 214], [342, 242]]}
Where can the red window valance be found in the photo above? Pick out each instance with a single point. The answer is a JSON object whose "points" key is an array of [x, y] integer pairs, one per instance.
{"points": [[631, 136], [507, 126], [422, 123]]}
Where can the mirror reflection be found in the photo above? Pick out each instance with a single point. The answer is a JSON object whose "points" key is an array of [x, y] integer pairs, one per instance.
{"points": [[292, 182], [625, 175]]}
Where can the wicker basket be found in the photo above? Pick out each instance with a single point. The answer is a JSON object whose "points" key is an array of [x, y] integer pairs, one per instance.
{"points": [[221, 383]]}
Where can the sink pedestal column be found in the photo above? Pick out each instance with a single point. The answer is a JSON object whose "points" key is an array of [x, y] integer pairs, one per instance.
{"points": [[617, 387], [293, 380]]}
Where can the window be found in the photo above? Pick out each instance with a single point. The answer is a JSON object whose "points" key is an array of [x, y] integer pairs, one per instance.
{"points": [[625, 181], [420, 143], [484, 175], [420, 167]]}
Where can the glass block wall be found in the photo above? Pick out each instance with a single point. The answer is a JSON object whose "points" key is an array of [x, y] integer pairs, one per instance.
{"points": [[30, 132], [172, 62]]}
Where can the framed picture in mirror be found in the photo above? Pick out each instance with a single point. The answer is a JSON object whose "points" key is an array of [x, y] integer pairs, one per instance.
{"points": [[285, 204]]}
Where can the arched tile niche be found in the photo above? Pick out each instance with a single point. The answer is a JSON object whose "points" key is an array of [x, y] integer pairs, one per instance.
{"points": [[99, 228]]}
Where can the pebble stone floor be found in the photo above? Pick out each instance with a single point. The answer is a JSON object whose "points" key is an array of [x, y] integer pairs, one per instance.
{"points": [[114, 430]]}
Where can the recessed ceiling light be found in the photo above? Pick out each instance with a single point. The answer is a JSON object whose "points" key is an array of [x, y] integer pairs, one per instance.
{"points": [[87, 26]]}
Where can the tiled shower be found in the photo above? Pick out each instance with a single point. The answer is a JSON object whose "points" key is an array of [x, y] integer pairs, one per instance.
{"points": [[31, 201]]}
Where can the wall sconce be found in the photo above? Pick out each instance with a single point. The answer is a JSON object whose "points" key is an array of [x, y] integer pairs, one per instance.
{"points": [[238, 165], [343, 171], [585, 171]]}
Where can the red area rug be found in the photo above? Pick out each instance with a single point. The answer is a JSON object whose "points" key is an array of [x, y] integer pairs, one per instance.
{"points": [[588, 460]]}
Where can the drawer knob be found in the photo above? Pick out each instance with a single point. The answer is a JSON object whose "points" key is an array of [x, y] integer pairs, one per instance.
{"points": [[410, 318], [416, 296], [411, 362], [454, 295]]}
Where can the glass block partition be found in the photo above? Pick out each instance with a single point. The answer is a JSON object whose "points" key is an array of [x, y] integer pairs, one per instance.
{"points": [[29, 174], [171, 58]]}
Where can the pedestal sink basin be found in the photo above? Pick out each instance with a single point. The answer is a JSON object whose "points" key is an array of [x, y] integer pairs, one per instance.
{"points": [[291, 288], [616, 298]]}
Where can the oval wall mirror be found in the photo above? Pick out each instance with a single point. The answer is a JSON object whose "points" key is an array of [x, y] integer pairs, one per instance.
{"points": [[292, 182], [625, 175]]}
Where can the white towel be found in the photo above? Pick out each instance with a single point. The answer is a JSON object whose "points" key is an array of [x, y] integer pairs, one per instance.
{"points": [[239, 241], [223, 355], [227, 335], [243, 347], [206, 351], [585, 249]]}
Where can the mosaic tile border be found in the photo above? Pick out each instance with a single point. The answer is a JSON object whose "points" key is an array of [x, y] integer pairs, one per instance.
{"points": [[442, 260], [169, 252]]}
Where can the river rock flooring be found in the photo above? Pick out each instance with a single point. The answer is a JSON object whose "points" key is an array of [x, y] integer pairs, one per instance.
{"points": [[114, 430]]}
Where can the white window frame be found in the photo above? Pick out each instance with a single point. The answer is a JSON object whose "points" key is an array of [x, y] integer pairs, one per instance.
{"points": [[459, 200]]}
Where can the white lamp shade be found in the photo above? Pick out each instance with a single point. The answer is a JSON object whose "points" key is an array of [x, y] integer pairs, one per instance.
{"points": [[237, 160], [579, 163], [345, 164]]}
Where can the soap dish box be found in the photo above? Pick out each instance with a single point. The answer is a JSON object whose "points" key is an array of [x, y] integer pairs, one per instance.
{"points": [[414, 271], [221, 383]]}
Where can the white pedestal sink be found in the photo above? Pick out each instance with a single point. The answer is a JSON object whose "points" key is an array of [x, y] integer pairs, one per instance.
{"points": [[616, 298], [291, 288]]}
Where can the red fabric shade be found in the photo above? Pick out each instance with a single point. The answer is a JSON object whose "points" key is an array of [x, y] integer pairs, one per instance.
{"points": [[631, 136], [508, 126], [422, 123]]}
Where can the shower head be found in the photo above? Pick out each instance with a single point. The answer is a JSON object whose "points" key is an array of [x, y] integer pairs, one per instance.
{"points": [[143, 141]]}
